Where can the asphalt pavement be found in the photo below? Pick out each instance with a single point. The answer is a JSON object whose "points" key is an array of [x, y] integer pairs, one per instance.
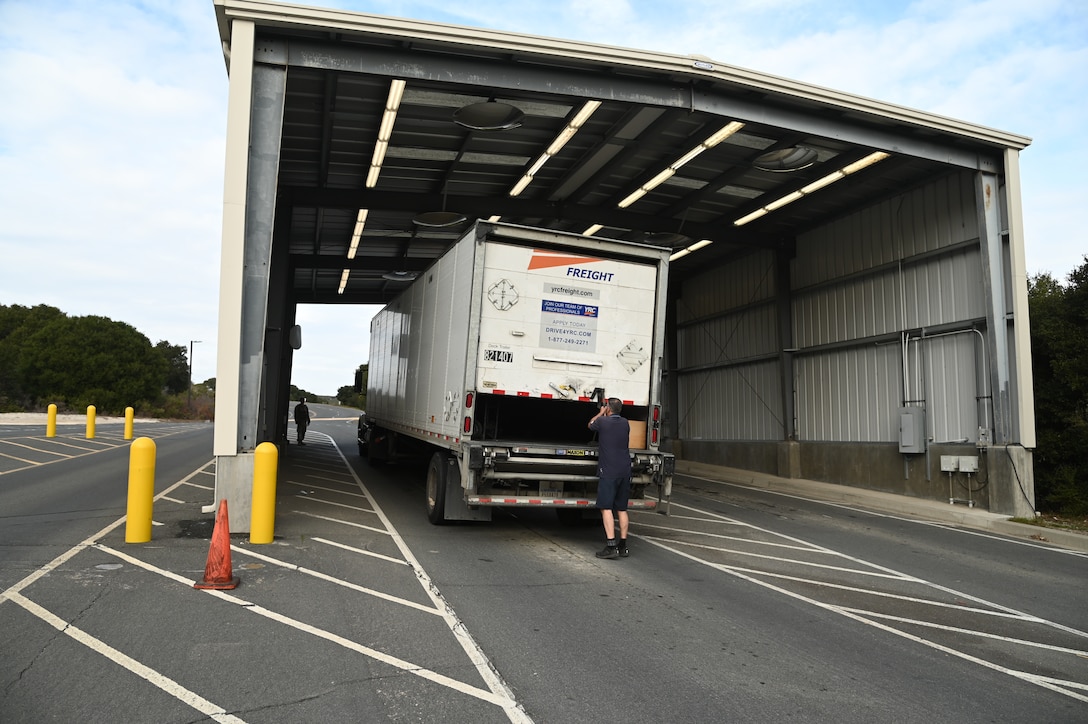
{"points": [[366, 627]]}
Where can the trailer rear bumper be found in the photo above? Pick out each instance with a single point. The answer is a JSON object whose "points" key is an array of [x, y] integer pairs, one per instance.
{"points": [[537, 501]]}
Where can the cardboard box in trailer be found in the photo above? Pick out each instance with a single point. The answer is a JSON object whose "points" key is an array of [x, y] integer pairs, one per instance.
{"points": [[496, 357]]}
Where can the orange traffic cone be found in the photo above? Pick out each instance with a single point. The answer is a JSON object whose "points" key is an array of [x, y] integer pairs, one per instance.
{"points": [[218, 573]]}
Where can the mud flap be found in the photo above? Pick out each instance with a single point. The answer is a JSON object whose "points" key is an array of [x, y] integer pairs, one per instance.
{"points": [[456, 508]]}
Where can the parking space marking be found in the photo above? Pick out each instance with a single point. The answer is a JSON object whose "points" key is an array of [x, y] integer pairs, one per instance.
{"points": [[360, 551], [343, 522], [146, 673], [30, 447], [166, 684], [780, 559], [468, 644], [315, 499], [328, 490], [874, 618], [22, 460], [86, 446], [1083, 653], [335, 581], [381, 656]]}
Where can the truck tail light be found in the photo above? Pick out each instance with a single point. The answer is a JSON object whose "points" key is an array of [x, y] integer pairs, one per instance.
{"points": [[653, 436], [468, 400], [468, 424], [657, 414]]}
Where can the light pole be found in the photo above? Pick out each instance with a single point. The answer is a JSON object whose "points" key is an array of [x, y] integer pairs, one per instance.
{"points": [[191, 343]]}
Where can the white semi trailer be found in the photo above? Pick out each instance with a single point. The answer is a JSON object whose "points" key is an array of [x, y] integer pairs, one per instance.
{"points": [[494, 359]]}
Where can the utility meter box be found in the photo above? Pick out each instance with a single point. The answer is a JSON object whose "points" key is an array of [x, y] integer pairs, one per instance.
{"points": [[912, 430]]}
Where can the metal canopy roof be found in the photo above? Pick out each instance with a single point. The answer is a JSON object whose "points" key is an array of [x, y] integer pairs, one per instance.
{"points": [[655, 108]]}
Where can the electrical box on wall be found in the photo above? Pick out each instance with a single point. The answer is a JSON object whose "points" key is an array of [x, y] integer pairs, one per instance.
{"points": [[912, 430]]}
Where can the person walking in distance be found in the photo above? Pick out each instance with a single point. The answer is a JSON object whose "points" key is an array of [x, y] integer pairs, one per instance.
{"points": [[614, 473], [302, 419]]}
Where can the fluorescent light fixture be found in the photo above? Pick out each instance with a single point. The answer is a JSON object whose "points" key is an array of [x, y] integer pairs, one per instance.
{"points": [[820, 183], [494, 218], [865, 162], [588, 109], [538, 165], [694, 247], [396, 93], [521, 184], [561, 140], [357, 234], [372, 176], [632, 197], [816, 185], [592, 230], [385, 131], [687, 157], [557, 145], [750, 217], [787, 199], [723, 133], [343, 281], [659, 179]]}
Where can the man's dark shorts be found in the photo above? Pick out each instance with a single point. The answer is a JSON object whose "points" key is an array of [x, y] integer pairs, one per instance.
{"points": [[613, 493]]}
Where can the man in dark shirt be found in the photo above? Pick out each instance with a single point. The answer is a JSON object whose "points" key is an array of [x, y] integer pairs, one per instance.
{"points": [[614, 472], [302, 419]]}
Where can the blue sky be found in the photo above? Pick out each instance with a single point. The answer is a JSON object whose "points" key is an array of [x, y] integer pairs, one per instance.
{"points": [[112, 135]]}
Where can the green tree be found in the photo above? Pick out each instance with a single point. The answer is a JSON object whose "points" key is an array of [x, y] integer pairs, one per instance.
{"points": [[17, 323], [177, 366], [355, 395], [91, 360], [1059, 339]]}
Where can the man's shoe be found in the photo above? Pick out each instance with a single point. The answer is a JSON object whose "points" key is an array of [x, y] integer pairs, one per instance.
{"points": [[608, 552], [624, 551]]}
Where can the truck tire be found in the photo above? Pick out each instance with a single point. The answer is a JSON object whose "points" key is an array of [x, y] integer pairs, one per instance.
{"points": [[436, 489]]}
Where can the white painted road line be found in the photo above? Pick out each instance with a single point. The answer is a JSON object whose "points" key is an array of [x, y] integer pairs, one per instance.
{"points": [[414, 669], [868, 618], [146, 673], [484, 667], [336, 581], [344, 522], [360, 551]]}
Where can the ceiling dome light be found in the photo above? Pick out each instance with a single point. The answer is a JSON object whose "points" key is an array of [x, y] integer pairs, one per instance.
{"points": [[400, 276], [438, 219], [784, 160], [489, 116]]}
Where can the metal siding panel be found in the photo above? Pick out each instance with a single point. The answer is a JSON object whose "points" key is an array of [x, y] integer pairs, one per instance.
{"points": [[848, 395]]}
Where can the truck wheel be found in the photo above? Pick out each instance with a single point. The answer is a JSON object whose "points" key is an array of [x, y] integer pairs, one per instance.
{"points": [[436, 489]]}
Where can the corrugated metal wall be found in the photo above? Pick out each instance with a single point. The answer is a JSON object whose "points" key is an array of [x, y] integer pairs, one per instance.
{"points": [[909, 265]]}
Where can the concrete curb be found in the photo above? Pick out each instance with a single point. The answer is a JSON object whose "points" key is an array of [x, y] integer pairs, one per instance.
{"points": [[888, 503]]}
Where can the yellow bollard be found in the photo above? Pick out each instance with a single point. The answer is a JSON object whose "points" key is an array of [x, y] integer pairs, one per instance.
{"points": [[141, 490], [129, 414], [90, 422], [51, 422], [263, 520]]}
